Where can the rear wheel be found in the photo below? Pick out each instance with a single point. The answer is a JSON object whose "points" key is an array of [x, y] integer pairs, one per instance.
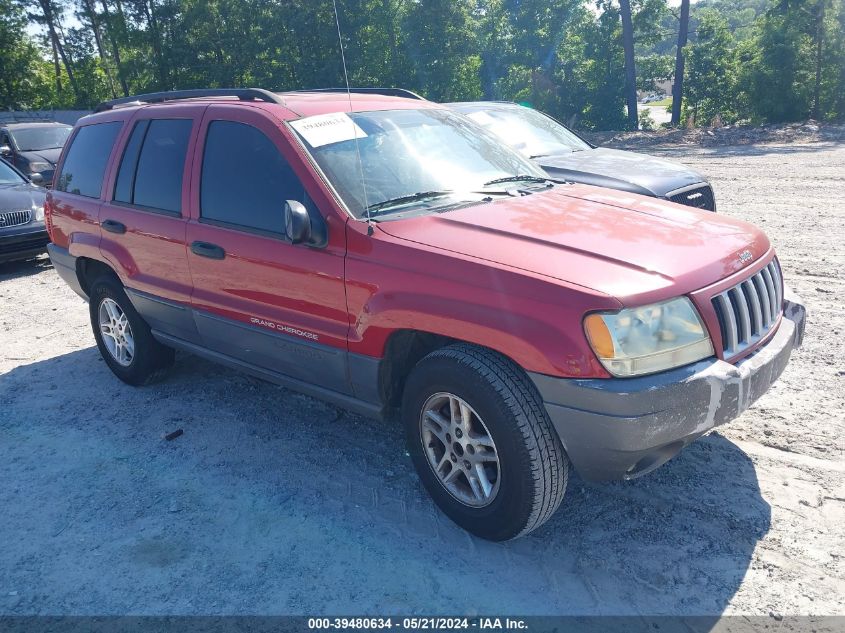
{"points": [[482, 443], [123, 337]]}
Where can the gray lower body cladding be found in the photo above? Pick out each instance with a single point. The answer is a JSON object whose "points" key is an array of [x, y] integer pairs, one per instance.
{"points": [[622, 428], [335, 375], [65, 265]]}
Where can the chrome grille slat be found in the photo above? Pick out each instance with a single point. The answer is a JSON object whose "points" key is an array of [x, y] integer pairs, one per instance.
{"points": [[15, 218], [764, 299], [730, 329], [778, 283], [770, 288], [744, 316], [756, 311], [748, 310]]}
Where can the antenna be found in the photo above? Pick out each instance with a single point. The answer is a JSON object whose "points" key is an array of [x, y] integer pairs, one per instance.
{"points": [[354, 133]]}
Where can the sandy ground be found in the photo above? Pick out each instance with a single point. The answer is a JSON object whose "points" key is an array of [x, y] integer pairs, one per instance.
{"points": [[275, 503]]}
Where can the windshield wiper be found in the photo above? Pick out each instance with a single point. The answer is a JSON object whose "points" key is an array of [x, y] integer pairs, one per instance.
{"points": [[522, 178], [414, 197]]}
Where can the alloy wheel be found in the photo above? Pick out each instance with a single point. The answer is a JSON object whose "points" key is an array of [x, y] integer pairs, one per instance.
{"points": [[116, 332], [460, 449]]}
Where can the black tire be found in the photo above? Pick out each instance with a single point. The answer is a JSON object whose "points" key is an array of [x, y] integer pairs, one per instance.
{"points": [[533, 465], [151, 359]]}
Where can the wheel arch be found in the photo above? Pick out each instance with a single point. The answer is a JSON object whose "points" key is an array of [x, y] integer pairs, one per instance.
{"points": [[89, 269], [405, 348]]}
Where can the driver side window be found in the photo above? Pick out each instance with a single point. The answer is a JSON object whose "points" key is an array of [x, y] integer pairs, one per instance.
{"points": [[245, 179]]}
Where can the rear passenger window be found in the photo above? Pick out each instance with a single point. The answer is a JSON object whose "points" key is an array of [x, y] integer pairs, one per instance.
{"points": [[126, 175], [85, 163], [245, 180], [153, 163]]}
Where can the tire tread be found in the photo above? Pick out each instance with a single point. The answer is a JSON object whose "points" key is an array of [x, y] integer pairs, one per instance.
{"points": [[550, 467]]}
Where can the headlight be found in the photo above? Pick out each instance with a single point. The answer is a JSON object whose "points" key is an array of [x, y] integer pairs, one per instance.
{"points": [[37, 167], [39, 213], [645, 340]]}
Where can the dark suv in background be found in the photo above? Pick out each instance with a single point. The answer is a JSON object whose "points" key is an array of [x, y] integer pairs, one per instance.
{"points": [[34, 147], [565, 155]]}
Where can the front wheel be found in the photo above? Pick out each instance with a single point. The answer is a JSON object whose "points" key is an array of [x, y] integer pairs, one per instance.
{"points": [[482, 443], [123, 337]]}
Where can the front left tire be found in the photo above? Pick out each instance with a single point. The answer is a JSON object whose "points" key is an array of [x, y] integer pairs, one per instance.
{"points": [[482, 442]]}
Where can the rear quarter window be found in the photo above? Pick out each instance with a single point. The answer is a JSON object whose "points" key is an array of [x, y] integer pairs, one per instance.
{"points": [[85, 163]]}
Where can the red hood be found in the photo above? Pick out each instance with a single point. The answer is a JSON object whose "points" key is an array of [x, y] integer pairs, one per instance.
{"points": [[631, 247]]}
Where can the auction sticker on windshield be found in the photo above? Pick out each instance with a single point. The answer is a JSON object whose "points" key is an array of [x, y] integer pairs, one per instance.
{"points": [[325, 129]]}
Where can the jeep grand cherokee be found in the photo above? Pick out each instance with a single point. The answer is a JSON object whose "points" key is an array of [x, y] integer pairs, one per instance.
{"points": [[387, 254]]}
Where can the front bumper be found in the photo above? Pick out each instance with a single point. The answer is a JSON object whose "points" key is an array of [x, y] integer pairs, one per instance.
{"points": [[621, 428], [23, 242]]}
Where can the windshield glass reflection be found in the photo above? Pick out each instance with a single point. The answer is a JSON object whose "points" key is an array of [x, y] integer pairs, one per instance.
{"points": [[428, 157]]}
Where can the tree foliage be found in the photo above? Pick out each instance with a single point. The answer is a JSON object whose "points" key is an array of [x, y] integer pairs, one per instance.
{"points": [[710, 70], [762, 60], [24, 75]]}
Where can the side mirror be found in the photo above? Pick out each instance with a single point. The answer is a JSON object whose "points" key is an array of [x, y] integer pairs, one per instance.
{"points": [[5, 150], [36, 179], [297, 222]]}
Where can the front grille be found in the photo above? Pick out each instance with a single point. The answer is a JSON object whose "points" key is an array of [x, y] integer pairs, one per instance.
{"points": [[699, 197], [749, 310], [14, 218]]}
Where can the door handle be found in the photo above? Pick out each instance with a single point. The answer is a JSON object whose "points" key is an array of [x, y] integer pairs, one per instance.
{"points": [[205, 249], [113, 226]]}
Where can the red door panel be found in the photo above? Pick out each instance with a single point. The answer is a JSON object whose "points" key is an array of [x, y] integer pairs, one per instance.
{"points": [[267, 302], [147, 246]]}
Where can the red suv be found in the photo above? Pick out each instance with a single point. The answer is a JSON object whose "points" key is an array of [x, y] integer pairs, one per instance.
{"points": [[388, 254]]}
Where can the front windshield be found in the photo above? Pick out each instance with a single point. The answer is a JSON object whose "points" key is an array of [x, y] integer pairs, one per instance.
{"points": [[529, 132], [33, 139], [426, 157], [9, 176]]}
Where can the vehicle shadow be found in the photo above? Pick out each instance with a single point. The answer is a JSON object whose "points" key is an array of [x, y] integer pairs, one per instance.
{"points": [[25, 268], [272, 502]]}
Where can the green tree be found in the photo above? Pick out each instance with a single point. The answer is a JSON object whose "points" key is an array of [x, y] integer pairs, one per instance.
{"points": [[710, 76], [833, 81], [443, 57], [777, 65], [630, 65], [772, 60], [25, 80], [652, 69]]}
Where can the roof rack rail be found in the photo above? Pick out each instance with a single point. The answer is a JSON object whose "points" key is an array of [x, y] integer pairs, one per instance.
{"points": [[389, 92], [244, 94]]}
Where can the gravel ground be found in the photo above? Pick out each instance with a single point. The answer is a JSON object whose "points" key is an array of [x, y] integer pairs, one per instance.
{"points": [[275, 503]]}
